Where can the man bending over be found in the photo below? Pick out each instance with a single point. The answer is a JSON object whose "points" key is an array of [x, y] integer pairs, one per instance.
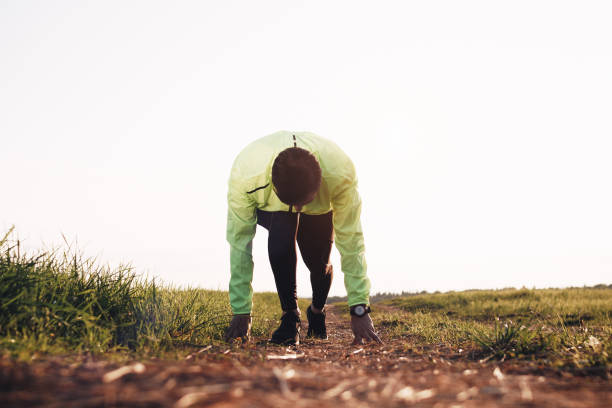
{"points": [[300, 187]]}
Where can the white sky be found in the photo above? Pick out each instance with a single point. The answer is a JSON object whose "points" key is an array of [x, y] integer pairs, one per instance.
{"points": [[481, 131]]}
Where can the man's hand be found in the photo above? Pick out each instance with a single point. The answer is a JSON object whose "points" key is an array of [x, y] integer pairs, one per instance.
{"points": [[363, 329], [240, 326]]}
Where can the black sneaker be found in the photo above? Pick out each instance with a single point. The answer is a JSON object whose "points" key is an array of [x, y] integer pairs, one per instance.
{"points": [[316, 324], [289, 330]]}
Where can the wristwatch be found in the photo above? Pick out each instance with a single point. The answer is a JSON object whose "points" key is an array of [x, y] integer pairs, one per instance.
{"points": [[360, 310]]}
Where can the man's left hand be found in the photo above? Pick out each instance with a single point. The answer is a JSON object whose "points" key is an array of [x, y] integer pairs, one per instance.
{"points": [[363, 329]]}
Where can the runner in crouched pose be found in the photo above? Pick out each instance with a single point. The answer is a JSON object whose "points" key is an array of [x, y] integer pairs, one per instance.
{"points": [[300, 187]]}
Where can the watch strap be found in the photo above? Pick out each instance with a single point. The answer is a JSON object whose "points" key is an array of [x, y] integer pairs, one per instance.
{"points": [[367, 310]]}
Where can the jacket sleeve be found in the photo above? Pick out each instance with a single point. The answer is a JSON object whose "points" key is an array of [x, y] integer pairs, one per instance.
{"points": [[241, 224], [346, 205]]}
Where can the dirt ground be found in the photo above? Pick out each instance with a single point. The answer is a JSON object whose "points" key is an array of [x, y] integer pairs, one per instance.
{"points": [[316, 374]]}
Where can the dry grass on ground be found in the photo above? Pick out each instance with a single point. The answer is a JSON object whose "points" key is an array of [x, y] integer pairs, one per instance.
{"points": [[319, 373], [76, 334]]}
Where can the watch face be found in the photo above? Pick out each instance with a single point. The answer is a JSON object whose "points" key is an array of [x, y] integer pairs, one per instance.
{"points": [[359, 310]]}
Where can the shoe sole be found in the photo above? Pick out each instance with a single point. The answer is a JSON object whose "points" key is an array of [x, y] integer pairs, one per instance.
{"points": [[289, 342]]}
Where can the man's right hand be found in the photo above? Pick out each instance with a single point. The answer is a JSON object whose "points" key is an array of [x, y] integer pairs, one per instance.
{"points": [[240, 326]]}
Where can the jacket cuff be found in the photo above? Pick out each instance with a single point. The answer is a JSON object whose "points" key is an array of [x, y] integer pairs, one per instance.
{"points": [[358, 301], [241, 311]]}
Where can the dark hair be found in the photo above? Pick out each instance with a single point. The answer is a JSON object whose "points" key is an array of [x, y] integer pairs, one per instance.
{"points": [[296, 175]]}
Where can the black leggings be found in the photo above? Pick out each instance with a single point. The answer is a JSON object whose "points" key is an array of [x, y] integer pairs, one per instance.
{"points": [[315, 236]]}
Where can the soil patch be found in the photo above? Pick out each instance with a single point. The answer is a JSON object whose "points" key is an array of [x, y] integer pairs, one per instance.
{"points": [[317, 373]]}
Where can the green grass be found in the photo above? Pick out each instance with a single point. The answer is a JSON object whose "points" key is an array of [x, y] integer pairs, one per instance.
{"points": [[59, 302], [569, 328], [576, 305]]}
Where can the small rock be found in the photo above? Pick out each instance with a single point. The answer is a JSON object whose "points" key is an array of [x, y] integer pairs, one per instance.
{"points": [[493, 391]]}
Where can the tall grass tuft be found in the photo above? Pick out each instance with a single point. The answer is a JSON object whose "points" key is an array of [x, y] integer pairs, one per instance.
{"points": [[61, 301]]}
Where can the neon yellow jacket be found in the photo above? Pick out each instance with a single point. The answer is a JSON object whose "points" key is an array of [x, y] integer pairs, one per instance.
{"points": [[250, 188]]}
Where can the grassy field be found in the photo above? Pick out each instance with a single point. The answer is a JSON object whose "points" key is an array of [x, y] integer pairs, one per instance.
{"points": [[60, 303], [559, 327]]}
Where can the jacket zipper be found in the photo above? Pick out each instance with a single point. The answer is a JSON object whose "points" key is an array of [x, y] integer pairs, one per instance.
{"points": [[294, 145]]}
